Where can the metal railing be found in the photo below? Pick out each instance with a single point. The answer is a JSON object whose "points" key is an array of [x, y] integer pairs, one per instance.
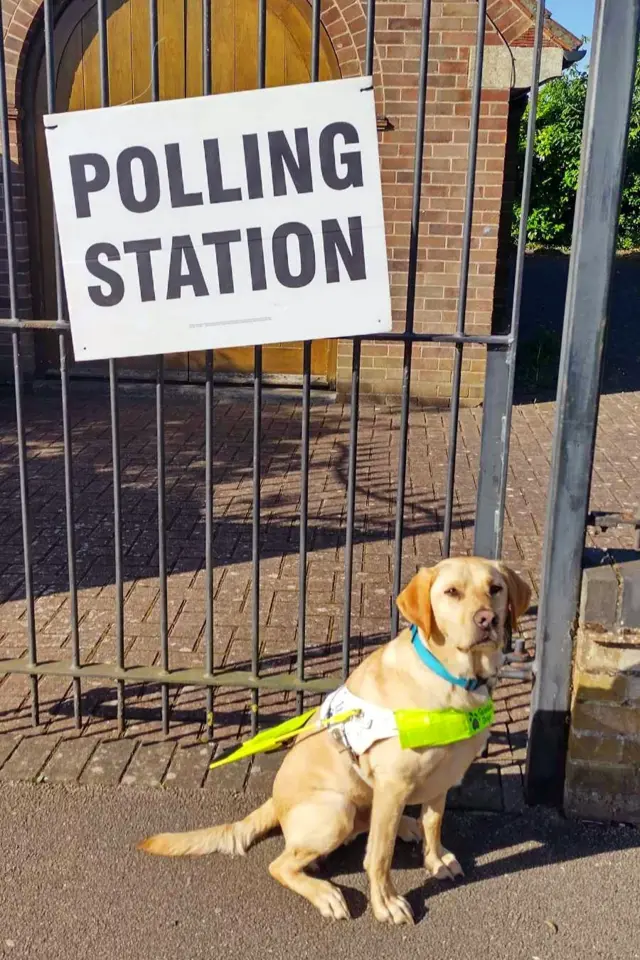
{"points": [[602, 168], [491, 498]]}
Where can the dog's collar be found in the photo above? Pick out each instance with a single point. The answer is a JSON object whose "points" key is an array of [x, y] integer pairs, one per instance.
{"points": [[434, 664]]}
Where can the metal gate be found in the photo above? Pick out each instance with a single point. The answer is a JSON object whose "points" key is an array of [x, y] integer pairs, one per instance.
{"points": [[612, 71]]}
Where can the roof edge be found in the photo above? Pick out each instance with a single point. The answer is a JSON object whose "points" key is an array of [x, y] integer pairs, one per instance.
{"points": [[554, 30]]}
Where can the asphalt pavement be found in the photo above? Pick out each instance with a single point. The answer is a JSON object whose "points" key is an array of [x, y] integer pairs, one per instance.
{"points": [[538, 887]]}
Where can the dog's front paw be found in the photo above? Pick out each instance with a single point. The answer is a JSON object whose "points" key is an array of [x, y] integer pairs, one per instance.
{"points": [[330, 902], [445, 867], [390, 908]]}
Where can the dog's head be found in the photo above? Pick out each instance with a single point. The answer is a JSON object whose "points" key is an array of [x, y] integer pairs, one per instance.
{"points": [[462, 606]]}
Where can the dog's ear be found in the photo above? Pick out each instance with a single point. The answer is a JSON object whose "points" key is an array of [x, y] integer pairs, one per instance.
{"points": [[414, 603], [519, 593]]}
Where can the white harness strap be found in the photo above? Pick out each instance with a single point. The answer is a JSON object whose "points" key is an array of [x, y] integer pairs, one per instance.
{"points": [[360, 732]]}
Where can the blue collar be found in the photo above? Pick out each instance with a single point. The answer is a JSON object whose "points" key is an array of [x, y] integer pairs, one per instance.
{"points": [[434, 664]]}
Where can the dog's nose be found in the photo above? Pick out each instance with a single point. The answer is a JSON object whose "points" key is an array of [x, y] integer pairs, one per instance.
{"points": [[485, 619]]}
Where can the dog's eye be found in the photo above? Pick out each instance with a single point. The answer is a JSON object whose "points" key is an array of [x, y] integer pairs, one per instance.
{"points": [[495, 588], [452, 592]]}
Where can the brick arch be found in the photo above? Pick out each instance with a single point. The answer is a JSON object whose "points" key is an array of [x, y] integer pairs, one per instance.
{"points": [[19, 18], [344, 21]]}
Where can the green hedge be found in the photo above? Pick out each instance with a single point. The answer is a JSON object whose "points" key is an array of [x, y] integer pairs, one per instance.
{"points": [[556, 164]]}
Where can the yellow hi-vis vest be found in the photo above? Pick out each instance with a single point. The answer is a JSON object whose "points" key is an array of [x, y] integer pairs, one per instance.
{"points": [[359, 724]]}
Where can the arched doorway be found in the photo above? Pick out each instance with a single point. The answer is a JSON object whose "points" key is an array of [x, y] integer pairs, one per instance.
{"points": [[234, 43]]}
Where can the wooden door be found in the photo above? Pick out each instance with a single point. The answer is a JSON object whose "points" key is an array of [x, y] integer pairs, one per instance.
{"points": [[234, 45]]}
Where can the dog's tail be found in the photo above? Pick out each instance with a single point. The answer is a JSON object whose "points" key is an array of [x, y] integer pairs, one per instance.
{"points": [[232, 838]]}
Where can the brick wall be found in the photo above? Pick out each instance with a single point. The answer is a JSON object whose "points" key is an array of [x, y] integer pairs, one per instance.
{"points": [[452, 39], [21, 255], [603, 765], [17, 18]]}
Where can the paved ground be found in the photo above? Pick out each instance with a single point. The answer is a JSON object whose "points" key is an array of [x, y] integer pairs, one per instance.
{"points": [[143, 757], [537, 888]]}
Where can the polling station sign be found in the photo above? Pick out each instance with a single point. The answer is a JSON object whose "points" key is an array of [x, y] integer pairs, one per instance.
{"points": [[222, 221]]}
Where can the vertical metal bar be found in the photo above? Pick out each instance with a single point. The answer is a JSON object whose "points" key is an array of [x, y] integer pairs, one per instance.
{"points": [[611, 80], [351, 504], [304, 516], [262, 44], [153, 44], [26, 521], [64, 386], [117, 533], [353, 419], [208, 399], [51, 106], [255, 531], [162, 539], [410, 307], [370, 40], [519, 274], [206, 48], [103, 53], [209, 535], [304, 453], [257, 430], [160, 444], [103, 56], [315, 40], [17, 375], [71, 540], [491, 450], [497, 415], [464, 274]]}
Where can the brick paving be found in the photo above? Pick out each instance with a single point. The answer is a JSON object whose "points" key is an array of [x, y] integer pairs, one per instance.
{"points": [[56, 751]]}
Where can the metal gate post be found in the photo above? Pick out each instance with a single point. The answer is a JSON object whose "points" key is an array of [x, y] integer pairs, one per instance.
{"points": [[493, 448], [611, 79], [501, 360]]}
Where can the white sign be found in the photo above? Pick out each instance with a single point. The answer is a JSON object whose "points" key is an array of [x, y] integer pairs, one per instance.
{"points": [[221, 221]]}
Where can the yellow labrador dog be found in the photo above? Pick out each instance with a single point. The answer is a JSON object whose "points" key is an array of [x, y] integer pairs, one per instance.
{"points": [[325, 794]]}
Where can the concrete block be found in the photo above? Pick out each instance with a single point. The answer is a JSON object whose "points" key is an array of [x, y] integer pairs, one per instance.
{"points": [[505, 67], [231, 777], [604, 779], [8, 743], [631, 751], [591, 747], [630, 604], [626, 809], [149, 765], [632, 692], [108, 763], [68, 760], [612, 657], [606, 719], [599, 686], [599, 597], [189, 766], [583, 794], [263, 771], [28, 759]]}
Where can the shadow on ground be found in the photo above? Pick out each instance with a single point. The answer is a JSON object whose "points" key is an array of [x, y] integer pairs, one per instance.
{"points": [[541, 321], [489, 847], [185, 487]]}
